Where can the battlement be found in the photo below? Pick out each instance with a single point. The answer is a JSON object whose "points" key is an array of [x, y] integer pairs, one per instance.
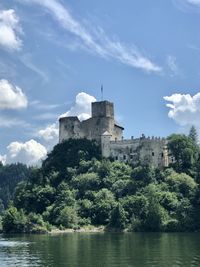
{"points": [[144, 139]]}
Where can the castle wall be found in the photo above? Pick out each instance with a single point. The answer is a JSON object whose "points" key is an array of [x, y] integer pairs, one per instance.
{"points": [[96, 126], [70, 127], [117, 133], [103, 128], [135, 150], [102, 120]]}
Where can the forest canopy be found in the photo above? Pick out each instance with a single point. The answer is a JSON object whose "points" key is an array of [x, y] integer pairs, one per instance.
{"points": [[76, 188]]}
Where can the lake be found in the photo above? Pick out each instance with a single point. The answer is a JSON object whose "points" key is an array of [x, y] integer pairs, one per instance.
{"points": [[101, 249]]}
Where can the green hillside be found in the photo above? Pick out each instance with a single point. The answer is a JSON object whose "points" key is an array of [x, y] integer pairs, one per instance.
{"points": [[76, 188]]}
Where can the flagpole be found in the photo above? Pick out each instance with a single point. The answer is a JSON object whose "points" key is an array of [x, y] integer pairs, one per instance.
{"points": [[101, 92]]}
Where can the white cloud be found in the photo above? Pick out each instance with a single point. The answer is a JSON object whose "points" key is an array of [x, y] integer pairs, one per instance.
{"points": [[82, 107], [11, 97], [96, 41], [184, 109], [30, 152], [194, 2], [49, 133], [3, 159], [9, 30]]}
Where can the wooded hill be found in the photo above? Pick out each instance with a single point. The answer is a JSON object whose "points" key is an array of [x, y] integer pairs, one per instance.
{"points": [[75, 188]]}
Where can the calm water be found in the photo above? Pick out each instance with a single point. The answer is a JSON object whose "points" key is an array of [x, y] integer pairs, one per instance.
{"points": [[101, 249]]}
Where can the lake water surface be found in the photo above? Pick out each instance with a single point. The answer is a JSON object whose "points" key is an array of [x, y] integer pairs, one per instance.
{"points": [[101, 249]]}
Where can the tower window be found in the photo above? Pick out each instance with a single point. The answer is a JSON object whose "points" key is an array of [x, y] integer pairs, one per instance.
{"points": [[153, 154]]}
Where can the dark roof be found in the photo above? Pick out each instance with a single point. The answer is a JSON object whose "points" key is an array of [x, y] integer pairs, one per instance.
{"points": [[119, 126]]}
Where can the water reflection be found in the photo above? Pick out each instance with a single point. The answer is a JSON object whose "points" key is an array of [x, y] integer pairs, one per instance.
{"points": [[101, 249]]}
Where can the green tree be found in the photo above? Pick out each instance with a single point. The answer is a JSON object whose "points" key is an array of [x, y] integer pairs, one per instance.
{"points": [[14, 221], [67, 217], [104, 203], [85, 208], [69, 154], [136, 206], [184, 151], [10, 176], [142, 176], [157, 216], [85, 182], [118, 218], [182, 183], [193, 134]]}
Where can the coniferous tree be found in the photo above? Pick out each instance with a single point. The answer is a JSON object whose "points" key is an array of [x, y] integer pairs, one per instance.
{"points": [[193, 134]]}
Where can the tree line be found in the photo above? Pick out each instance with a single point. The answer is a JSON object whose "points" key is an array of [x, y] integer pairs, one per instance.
{"points": [[76, 188]]}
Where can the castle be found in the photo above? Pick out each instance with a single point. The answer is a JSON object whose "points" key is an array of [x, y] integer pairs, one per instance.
{"points": [[103, 128]]}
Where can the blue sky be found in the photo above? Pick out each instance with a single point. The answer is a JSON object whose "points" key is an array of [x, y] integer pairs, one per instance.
{"points": [[145, 53]]}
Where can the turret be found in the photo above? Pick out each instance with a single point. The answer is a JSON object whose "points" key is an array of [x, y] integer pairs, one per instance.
{"points": [[105, 144], [69, 127]]}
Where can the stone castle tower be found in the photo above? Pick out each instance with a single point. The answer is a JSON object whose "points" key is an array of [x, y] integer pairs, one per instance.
{"points": [[102, 121], [103, 128]]}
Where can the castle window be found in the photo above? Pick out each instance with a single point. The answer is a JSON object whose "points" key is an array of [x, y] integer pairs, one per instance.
{"points": [[116, 158], [131, 156], [153, 154], [162, 155], [124, 157]]}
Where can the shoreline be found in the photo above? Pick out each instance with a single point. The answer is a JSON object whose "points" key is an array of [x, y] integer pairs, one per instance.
{"points": [[100, 229]]}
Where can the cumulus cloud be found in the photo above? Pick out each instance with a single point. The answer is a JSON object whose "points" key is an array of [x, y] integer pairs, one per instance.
{"points": [[96, 41], [9, 30], [82, 107], [30, 153], [11, 97], [184, 109], [49, 133]]}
